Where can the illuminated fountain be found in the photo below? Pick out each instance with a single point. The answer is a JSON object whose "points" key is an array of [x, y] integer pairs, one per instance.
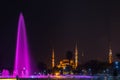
{"points": [[22, 64], [5, 73]]}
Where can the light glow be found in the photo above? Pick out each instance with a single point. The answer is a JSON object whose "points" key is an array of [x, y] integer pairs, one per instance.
{"points": [[76, 56], [22, 62]]}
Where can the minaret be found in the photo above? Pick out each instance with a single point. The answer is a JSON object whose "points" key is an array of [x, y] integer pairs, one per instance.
{"points": [[110, 55], [53, 58], [82, 60], [76, 56]]}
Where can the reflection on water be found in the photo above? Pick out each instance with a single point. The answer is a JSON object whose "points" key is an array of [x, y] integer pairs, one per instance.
{"points": [[8, 79], [100, 78], [69, 78]]}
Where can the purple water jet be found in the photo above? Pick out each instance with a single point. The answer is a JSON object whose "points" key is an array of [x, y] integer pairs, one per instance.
{"points": [[22, 65]]}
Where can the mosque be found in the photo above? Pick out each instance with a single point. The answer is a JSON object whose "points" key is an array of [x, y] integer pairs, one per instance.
{"points": [[65, 62], [74, 62]]}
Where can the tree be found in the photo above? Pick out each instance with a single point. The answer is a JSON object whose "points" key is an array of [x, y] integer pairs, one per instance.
{"points": [[118, 55], [96, 66], [42, 67], [55, 69]]}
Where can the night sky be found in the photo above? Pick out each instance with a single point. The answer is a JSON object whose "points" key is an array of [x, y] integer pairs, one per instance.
{"points": [[60, 24]]}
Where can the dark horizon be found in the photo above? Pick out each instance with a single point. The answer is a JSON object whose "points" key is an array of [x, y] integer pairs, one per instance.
{"points": [[60, 24]]}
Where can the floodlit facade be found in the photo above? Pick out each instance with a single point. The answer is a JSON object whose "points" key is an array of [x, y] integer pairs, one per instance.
{"points": [[65, 62]]}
